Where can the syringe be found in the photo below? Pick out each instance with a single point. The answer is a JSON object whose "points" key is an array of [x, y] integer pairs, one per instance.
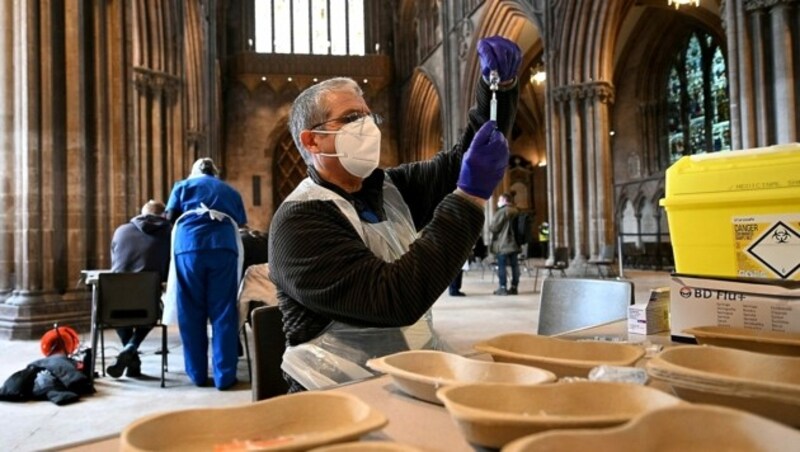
{"points": [[494, 82]]}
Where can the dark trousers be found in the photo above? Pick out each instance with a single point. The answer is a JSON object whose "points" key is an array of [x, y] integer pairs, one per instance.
{"points": [[455, 285], [133, 336], [511, 260]]}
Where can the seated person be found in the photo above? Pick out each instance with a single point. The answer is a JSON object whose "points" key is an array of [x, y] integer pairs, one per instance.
{"points": [[255, 245], [142, 244]]}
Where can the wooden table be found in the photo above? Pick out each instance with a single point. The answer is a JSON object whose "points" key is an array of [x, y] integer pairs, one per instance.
{"points": [[424, 425]]}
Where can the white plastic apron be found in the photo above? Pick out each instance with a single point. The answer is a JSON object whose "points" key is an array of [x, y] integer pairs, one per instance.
{"points": [[340, 352], [170, 298]]}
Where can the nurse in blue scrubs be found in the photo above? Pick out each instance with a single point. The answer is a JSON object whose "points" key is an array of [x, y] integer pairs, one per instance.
{"points": [[207, 255]]}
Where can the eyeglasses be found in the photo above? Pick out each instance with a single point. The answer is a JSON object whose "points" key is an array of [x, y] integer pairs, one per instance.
{"points": [[351, 117]]}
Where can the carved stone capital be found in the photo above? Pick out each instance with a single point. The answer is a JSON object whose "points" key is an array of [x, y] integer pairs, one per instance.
{"points": [[752, 5], [195, 138], [465, 30], [601, 91], [150, 82]]}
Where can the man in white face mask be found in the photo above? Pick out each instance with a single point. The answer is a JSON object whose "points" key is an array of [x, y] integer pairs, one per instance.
{"points": [[359, 254]]}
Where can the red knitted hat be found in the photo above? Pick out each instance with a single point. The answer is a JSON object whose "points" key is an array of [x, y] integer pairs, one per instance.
{"points": [[61, 339]]}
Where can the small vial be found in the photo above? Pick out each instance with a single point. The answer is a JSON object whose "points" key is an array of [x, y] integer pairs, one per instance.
{"points": [[635, 375], [494, 83]]}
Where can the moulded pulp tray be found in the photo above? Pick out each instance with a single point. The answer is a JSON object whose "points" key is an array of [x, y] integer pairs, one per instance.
{"points": [[367, 446], [684, 428], [563, 357], [492, 415], [421, 372], [291, 422], [772, 342], [764, 384]]}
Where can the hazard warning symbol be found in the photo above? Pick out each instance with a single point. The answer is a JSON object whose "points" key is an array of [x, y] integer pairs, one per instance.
{"points": [[768, 247]]}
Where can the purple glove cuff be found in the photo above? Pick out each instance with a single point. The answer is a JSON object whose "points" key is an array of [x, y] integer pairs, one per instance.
{"points": [[484, 163]]}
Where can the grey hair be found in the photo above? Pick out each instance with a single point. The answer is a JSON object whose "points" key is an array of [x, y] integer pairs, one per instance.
{"points": [[311, 107], [204, 165], [153, 207]]}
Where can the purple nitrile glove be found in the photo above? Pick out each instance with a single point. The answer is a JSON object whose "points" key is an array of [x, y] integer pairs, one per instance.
{"points": [[485, 162], [500, 54]]}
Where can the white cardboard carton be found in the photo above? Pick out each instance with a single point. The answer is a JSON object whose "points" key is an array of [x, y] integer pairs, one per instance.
{"points": [[761, 305], [652, 316]]}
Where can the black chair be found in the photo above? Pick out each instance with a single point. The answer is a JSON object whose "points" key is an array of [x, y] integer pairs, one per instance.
{"points": [[255, 290], [129, 300], [606, 260], [560, 262], [524, 256], [270, 343], [569, 304]]}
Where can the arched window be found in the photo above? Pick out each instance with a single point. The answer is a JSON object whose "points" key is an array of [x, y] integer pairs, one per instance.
{"points": [[698, 115], [318, 27]]}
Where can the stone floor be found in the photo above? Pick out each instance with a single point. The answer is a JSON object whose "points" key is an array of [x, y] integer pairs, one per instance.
{"points": [[43, 425]]}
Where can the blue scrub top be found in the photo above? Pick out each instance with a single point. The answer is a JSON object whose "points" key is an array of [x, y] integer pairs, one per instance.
{"points": [[200, 232]]}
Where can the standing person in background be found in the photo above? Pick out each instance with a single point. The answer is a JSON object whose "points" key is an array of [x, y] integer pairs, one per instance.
{"points": [[141, 245], [544, 238], [207, 259], [359, 254], [455, 285], [504, 246]]}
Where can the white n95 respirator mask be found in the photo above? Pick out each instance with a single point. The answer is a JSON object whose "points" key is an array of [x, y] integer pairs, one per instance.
{"points": [[358, 146]]}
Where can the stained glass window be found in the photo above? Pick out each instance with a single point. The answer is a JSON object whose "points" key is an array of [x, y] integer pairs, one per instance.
{"points": [[697, 102], [318, 27]]}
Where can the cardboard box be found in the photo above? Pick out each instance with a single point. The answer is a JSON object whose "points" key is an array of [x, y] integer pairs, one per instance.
{"points": [[761, 305], [652, 316], [736, 214]]}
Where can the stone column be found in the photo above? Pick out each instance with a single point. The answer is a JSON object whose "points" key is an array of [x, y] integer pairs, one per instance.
{"points": [[582, 185], [561, 168], [762, 69], [591, 247], [7, 179], [42, 286], [760, 64], [577, 162], [27, 149], [602, 224], [786, 100]]}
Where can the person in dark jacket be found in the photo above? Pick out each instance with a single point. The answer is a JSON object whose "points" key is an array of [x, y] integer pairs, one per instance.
{"points": [[255, 244], [142, 244], [360, 254], [504, 245]]}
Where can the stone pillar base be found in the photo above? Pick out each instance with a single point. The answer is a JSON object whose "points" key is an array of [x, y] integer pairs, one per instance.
{"points": [[22, 320]]}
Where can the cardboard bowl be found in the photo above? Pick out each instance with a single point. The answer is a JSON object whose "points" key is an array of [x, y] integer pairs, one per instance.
{"points": [[684, 428], [290, 422], [367, 446], [421, 373], [492, 415], [768, 385], [563, 357], [772, 342]]}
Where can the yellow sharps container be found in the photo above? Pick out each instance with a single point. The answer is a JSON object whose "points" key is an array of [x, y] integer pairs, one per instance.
{"points": [[736, 213]]}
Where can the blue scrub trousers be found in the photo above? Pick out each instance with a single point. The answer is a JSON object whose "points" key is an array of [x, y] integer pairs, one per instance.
{"points": [[207, 289]]}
